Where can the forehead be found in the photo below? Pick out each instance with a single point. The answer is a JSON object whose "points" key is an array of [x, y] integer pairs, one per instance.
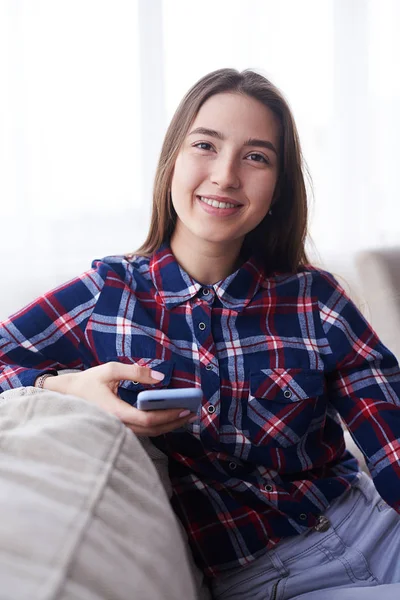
{"points": [[238, 114]]}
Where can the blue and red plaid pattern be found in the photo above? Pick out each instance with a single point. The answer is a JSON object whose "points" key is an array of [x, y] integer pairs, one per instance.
{"points": [[279, 358]]}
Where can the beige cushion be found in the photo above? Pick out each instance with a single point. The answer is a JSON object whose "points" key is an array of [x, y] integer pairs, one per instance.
{"points": [[84, 515], [379, 272]]}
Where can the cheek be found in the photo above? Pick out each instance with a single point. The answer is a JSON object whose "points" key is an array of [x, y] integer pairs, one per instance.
{"points": [[188, 174], [181, 186], [262, 195]]}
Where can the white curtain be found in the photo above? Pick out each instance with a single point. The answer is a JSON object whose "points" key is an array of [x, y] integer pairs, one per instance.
{"points": [[88, 86]]}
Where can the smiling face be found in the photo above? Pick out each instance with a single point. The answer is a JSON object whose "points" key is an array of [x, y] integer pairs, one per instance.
{"points": [[226, 171]]}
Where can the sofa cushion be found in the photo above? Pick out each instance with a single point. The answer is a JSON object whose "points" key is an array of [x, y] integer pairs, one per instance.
{"points": [[84, 515]]}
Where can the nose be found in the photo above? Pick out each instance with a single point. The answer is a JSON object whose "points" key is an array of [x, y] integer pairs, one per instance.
{"points": [[225, 172]]}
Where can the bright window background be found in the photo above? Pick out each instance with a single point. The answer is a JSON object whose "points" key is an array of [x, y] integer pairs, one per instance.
{"points": [[70, 137], [88, 87]]}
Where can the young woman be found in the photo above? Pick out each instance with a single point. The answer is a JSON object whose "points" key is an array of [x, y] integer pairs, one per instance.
{"points": [[221, 296]]}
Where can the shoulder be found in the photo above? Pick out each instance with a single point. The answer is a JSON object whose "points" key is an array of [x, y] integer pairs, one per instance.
{"points": [[310, 287], [322, 281], [328, 290], [122, 267], [309, 278]]}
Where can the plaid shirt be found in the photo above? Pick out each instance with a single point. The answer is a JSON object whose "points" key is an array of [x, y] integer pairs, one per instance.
{"points": [[278, 359]]}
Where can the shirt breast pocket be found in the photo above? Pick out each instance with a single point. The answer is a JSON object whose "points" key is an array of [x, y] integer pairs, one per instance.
{"points": [[128, 390], [282, 405]]}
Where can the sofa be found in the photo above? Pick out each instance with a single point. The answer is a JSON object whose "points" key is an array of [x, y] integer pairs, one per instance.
{"points": [[379, 277]]}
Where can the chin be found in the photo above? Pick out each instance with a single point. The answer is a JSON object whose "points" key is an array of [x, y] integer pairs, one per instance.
{"points": [[213, 238]]}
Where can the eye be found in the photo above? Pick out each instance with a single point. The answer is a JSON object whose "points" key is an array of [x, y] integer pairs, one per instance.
{"points": [[202, 146], [256, 157]]}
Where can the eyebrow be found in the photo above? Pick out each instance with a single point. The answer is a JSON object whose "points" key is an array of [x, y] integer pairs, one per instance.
{"points": [[250, 142]]}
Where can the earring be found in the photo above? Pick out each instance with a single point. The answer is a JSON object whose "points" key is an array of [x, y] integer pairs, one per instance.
{"points": [[270, 212]]}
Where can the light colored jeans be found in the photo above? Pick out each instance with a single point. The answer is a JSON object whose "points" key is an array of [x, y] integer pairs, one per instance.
{"points": [[359, 551]]}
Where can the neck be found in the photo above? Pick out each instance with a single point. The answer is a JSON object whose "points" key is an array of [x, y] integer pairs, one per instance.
{"points": [[207, 262]]}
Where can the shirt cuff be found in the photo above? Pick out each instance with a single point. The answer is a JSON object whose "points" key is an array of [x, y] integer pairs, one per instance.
{"points": [[29, 376]]}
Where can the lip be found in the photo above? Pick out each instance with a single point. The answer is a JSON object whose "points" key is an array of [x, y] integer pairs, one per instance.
{"points": [[220, 199], [218, 212]]}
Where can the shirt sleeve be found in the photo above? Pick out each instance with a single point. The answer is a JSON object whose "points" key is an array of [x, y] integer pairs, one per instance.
{"points": [[363, 379], [49, 334]]}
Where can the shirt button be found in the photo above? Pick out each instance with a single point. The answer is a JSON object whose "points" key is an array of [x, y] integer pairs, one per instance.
{"points": [[206, 291], [202, 326], [287, 394], [209, 367], [232, 466], [211, 409], [322, 524], [303, 516], [268, 487]]}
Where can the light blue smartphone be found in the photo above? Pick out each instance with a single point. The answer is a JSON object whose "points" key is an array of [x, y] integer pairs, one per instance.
{"points": [[189, 398]]}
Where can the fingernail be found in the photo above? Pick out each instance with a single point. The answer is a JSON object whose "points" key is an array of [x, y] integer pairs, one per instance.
{"points": [[157, 375], [184, 413], [193, 419]]}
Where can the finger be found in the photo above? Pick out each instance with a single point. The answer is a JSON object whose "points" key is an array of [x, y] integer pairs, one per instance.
{"points": [[161, 429], [115, 371], [148, 418]]}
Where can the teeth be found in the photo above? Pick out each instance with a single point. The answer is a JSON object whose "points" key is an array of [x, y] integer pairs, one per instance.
{"points": [[217, 204]]}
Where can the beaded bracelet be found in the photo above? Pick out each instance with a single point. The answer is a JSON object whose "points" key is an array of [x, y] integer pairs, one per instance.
{"points": [[41, 379]]}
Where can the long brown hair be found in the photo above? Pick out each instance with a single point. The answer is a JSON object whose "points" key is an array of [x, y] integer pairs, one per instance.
{"points": [[280, 237]]}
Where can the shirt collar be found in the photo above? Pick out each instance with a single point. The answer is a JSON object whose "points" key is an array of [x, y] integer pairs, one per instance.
{"points": [[175, 286]]}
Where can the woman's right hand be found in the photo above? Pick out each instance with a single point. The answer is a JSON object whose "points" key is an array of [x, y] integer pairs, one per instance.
{"points": [[99, 385]]}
